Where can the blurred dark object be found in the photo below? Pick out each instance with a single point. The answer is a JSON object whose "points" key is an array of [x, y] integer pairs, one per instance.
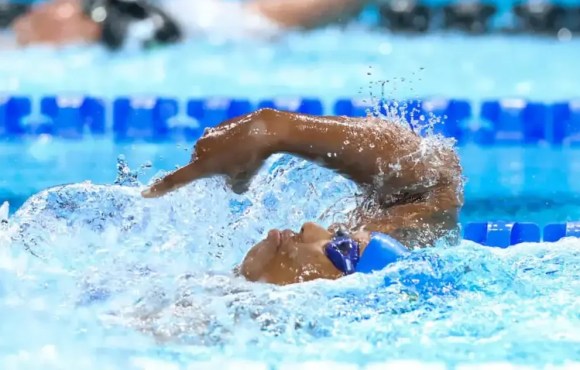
{"points": [[10, 11], [405, 15], [540, 16], [572, 21], [470, 16], [138, 20]]}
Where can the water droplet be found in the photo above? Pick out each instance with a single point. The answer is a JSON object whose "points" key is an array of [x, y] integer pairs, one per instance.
{"points": [[564, 34], [125, 177]]}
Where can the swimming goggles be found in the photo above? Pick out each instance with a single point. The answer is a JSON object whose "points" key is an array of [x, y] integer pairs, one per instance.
{"points": [[382, 250], [343, 252]]}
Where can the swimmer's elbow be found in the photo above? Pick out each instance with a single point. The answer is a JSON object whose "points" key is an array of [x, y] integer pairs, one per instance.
{"points": [[266, 114], [451, 170]]}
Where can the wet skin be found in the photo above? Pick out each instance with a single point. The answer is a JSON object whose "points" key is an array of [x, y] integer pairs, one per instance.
{"points": [[286, 257], [415, 191]]}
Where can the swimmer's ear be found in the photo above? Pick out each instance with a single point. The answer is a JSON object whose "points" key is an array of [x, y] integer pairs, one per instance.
{"points": [[173, 181]]}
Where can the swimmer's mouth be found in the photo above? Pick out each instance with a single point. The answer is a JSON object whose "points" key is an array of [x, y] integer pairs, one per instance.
{"points": [[274, 237], [279, 238]]}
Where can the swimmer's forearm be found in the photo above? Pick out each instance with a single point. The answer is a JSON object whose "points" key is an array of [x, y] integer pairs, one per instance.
{"points": [[354, 147]]}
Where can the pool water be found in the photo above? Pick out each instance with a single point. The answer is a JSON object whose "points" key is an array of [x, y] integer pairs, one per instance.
{"points": [[328, 63], [92, 276], [502, 183], [119, 279]]}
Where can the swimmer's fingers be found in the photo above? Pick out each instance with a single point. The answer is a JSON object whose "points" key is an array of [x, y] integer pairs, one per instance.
{"points": [[173, 181]]}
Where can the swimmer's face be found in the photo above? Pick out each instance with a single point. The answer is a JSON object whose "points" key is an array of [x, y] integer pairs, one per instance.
{"points": [[285, 257]]}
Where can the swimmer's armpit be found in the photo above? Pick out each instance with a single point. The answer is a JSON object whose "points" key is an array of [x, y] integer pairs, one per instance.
{"points": [[420, 224]]}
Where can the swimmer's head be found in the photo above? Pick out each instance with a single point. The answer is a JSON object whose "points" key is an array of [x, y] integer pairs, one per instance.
{"points": [[114, 23], [286, 257]]}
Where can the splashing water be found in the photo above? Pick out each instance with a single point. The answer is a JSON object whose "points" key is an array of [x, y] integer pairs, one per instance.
{"points": [[127, 177], [95, 277]]}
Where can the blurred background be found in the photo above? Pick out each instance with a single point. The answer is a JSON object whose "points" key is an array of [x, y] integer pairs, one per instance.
{"points": [[82, 82]]}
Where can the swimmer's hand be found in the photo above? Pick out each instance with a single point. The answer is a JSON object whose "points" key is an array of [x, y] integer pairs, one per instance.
{"points": [[173, 181], [237, 180], [235, 149]]}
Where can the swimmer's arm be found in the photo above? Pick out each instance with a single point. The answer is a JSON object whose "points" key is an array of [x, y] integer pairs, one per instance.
{"points": [[306, 13], [356, 148], [426, 212], [418, 224], [353, 147]]}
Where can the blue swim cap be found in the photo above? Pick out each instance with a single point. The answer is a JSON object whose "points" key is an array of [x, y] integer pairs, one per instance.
{"points": [[382, 250], [343, 252]]}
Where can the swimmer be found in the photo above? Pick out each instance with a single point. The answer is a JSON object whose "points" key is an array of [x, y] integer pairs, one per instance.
{"points": [[114, 23], [413, 191]]}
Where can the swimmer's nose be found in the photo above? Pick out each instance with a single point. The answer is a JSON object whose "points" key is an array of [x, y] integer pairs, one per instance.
{"points": [[312, 232], [287, 235]]}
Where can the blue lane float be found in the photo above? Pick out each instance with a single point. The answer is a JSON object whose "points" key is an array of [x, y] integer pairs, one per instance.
{"points": [[357, 107], [13, 109], [555, 232], [211, 112], [505, 234], [512, 121], [502, 234], [500, 122], [311, 106], [453, 112], [70, 117], [566, 123], [143, 118]]}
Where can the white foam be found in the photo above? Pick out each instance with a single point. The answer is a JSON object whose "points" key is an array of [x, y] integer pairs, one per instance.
{"points": [[228, 365], [4, 210], [317, 365]]}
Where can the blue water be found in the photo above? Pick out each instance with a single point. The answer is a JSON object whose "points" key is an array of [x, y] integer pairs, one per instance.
{"points": [[109, 285], [94, 277], [534, 184], [328, 63]]}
